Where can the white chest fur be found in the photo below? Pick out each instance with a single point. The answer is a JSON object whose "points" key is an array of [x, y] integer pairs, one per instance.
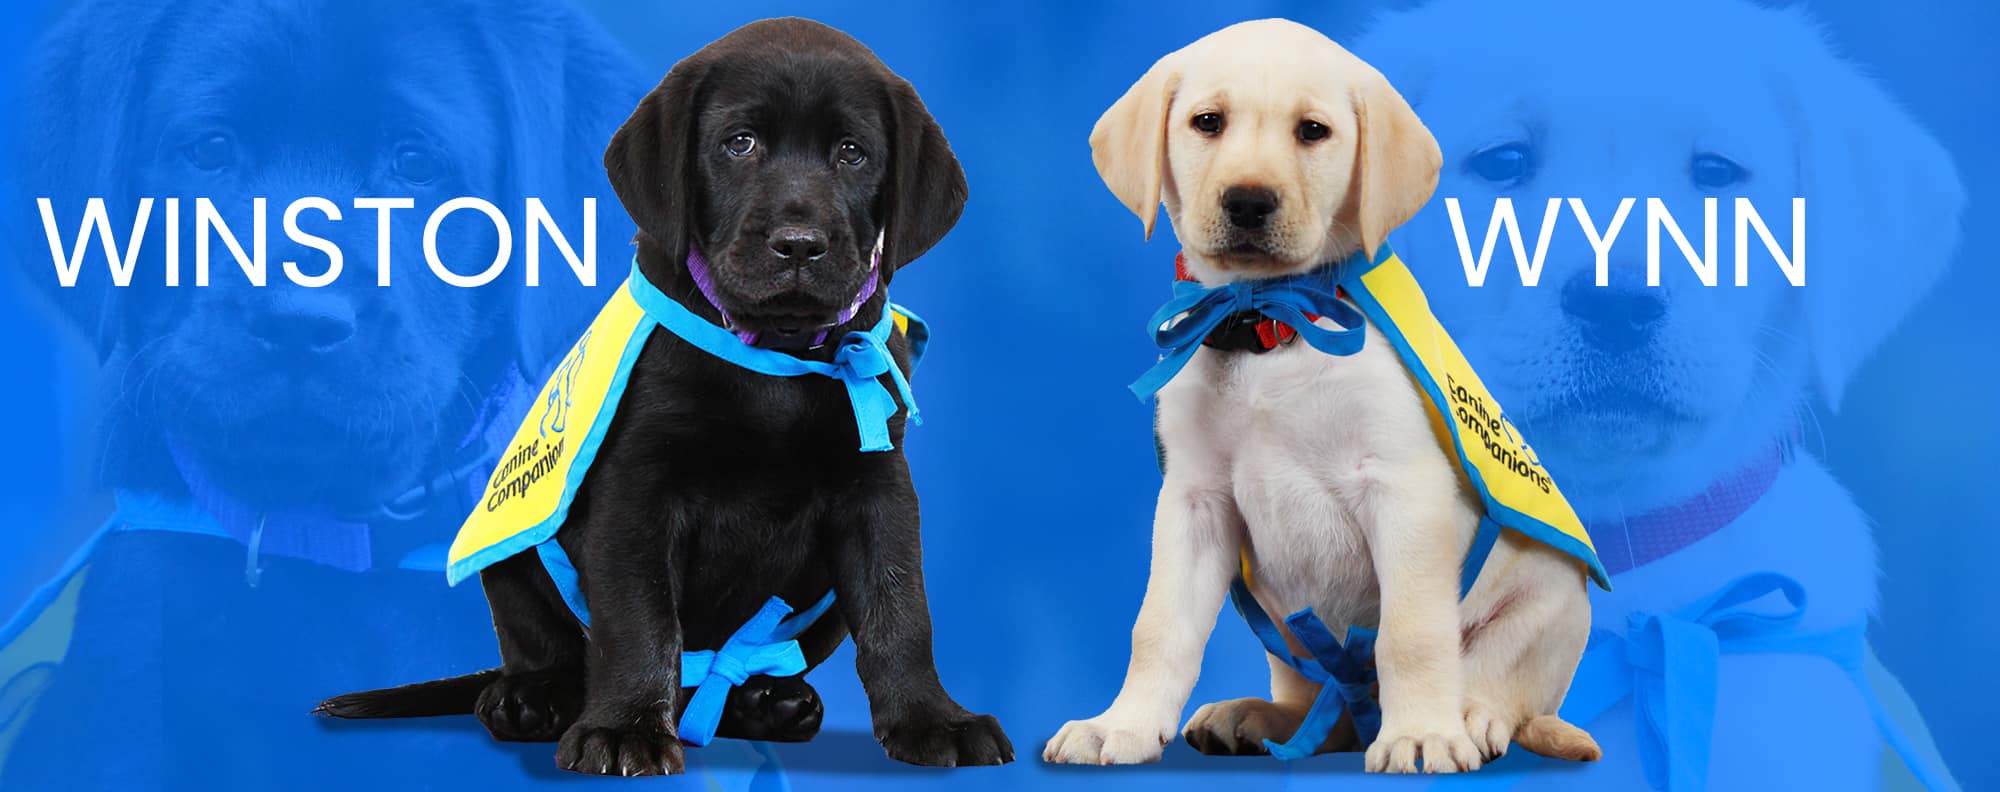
{"points": [[1306, 447]]}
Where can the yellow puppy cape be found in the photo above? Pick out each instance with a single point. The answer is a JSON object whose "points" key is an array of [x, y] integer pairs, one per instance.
{"points": [[530, 491]]}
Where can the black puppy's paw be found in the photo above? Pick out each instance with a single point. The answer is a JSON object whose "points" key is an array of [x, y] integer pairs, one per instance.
{"points": [[631, 750], [778, 709], [534, 706], [954, 739]]}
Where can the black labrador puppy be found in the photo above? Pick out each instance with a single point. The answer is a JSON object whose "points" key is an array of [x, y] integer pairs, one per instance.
{"points": [[781, 150]]}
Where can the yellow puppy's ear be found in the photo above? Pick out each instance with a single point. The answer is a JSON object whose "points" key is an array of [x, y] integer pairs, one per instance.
{"points": [[1883, 203], [1129, 143], [1396, 161]]}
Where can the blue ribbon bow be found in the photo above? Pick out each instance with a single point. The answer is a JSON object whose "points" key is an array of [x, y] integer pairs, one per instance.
{"points": [[858, 364], [863, 357], [1668, 664], [766, 644], [1345, 673], [1195, 311]]}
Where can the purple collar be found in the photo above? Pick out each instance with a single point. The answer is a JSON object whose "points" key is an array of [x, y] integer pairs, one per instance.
{"points": [[1632, 542], [697, 266]]}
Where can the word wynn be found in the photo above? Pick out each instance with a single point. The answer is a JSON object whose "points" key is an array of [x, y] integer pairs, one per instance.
{"points": [[1658, 219], [209, 226]]}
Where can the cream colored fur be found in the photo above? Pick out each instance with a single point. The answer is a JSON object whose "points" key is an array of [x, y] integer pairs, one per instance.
{"points": [[1322, 470]]}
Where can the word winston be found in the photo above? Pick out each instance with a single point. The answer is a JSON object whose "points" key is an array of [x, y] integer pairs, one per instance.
{"points": [[209, 226]]}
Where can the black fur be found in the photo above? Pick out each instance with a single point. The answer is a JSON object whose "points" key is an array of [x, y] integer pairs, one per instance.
{"points": [[715, 487]]}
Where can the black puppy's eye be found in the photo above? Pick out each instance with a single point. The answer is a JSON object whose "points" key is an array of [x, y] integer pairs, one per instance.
{"points": [[417, 165], [1507, 163], [212, 152], [1313, 131], [741, 144], [1714, 171], [1209, 124], [851, 154]]}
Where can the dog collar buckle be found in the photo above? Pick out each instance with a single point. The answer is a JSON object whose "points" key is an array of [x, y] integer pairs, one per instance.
{"points": [[1250, 331]]}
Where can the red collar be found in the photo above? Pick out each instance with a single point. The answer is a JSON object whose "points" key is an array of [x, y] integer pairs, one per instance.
{"points": [[1247, 331], [1641, 539]]}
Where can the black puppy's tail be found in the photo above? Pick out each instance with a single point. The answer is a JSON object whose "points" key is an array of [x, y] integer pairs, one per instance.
{"points": [[449, 696]]}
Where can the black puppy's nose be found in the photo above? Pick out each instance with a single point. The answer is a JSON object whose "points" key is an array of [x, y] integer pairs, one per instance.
{"points": [[1248, 206], [302, 323], [1615, 317], [798, 244]]}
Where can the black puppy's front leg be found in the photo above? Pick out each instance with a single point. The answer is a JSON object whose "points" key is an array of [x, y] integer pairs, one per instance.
{"points": [[632, 672], [879, 579]]}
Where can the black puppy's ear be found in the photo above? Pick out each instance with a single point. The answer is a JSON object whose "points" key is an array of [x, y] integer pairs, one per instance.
{"points": [[649, 159], [927, 189]]}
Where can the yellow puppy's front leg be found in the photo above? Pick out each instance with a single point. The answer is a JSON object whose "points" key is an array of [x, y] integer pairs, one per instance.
{"points": [[1416, 544], [1196, 538]]}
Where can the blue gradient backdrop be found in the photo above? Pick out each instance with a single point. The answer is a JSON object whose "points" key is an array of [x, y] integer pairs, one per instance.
{"points": [[1035, 464]]}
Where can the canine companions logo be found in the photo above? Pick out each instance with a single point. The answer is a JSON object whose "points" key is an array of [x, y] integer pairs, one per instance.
{"points": [[555, 415], [209, 225]]}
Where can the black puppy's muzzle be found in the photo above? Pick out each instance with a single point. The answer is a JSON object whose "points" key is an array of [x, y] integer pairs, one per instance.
{"points": [[804, 298], [797, 244]]}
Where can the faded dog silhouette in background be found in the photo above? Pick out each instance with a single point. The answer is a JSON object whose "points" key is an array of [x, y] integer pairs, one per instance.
{"points": [[288, 462], [1672, 415]]}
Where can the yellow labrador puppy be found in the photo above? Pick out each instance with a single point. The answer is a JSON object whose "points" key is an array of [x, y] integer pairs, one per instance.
{"points": [[1275, 151]]}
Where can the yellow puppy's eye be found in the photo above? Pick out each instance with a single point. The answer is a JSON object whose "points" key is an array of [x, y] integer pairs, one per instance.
{"points": [[1208, 123], [1313, 131], [1714, 171]]}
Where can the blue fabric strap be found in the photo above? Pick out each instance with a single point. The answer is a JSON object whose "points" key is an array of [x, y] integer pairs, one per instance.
{"points": [[1475, 556], [1346, 674], [859, 363], [767, 644], [1195, 311], [1667, 664], [563, 574]]}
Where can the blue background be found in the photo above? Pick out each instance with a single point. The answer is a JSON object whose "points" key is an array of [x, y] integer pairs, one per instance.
{"points": [[1035, 465]]}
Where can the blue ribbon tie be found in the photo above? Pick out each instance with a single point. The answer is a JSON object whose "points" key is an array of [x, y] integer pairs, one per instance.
{"points": [[1668, 664], [767, 644], [859, 363], [1345, 673], [1195, 311]]}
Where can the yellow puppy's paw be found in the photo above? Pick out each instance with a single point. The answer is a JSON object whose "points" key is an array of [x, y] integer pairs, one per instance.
{"points": [[1490, 731], [1442, 747], [1105, 740], [1239, 727]]}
